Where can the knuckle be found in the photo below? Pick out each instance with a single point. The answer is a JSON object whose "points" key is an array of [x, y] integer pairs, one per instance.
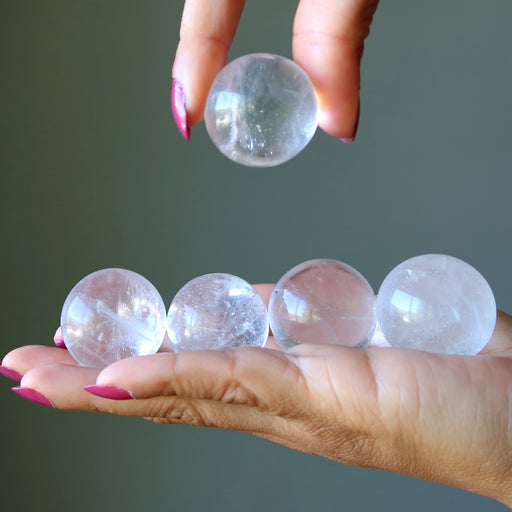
{"points": [[181, 411], [238, 394]]}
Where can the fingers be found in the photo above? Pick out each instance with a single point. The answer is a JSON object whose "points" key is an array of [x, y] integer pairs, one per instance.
{"points": [[19, 361], [23, 359], [245, 376], [58, 339], [328, 41], [207, 30], [194, 388], [248, 389], [62, 384], [501, 339]]}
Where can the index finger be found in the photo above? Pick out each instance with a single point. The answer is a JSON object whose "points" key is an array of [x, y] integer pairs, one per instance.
{"points": [[206, 33]]}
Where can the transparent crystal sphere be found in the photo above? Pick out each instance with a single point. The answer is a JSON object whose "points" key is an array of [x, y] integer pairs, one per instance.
{"points": [[112, 314], [436, 303], [261, 110], [323, 302], [217, 311]]}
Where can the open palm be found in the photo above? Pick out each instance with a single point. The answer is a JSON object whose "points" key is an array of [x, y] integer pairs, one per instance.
{"points": [[442, 418]]}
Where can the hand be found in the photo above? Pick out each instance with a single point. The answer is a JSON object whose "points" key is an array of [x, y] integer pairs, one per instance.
{"points": [[441, 418], [328, 41]]}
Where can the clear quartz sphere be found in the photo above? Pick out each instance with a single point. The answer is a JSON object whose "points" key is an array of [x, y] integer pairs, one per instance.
{"points": [[436, 303], [322, 301], [112, 314], [262, 110], [217, 311]]}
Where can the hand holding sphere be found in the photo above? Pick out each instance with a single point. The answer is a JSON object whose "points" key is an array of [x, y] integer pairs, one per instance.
{"points": [[369, 407], [327, 44]]}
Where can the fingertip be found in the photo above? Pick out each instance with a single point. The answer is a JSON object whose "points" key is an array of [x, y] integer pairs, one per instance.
{"points": [[39, 376], [10, 374], [33, 395], [195, 67], [58, 339], [350, 140], [62, 383], [110, 392], [328, 43], [179, 109], [338, 94], [129, 367], [12, 365]]}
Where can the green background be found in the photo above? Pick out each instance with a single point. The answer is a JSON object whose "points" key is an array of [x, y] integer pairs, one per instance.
{"points": [[94, 174]]}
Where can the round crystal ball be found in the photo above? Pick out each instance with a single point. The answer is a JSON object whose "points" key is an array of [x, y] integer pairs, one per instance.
{"points": [[323, 302], [436, 303], [217, 311], [112, 314], [261, 110]]}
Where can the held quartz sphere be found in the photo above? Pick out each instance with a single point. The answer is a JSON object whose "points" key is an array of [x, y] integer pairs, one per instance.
{"points": [[322, 302], [112, 314], [217, 311], [436, 303], [262, 110]]}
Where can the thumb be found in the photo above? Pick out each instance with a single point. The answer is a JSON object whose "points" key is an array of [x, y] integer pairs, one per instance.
{"points": [[328, 42]]}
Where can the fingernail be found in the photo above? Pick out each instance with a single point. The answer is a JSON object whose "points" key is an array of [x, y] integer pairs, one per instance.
{"points": [[349, 140], [33, 396], [10, 374], [179, 109], [58, 339], [111, 392]]}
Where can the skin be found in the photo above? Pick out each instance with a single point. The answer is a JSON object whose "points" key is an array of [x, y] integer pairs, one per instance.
{"points": [[328, 42], [446, 419]]}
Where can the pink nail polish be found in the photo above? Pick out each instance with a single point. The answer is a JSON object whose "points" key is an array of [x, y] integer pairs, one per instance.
{"points": [[10, 374], [33, 396], [349, 140], [58, 339], [179, 109], [111, 392]]}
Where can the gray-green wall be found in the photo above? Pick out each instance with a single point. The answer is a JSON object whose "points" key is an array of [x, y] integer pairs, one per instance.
{"points": [[94, 174]]}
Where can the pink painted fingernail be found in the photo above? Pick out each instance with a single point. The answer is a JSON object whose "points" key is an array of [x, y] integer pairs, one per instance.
{"points": [[33, 396], [10, 374], [58, 339], [179, 109], [349, 140], [111, 392]]}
